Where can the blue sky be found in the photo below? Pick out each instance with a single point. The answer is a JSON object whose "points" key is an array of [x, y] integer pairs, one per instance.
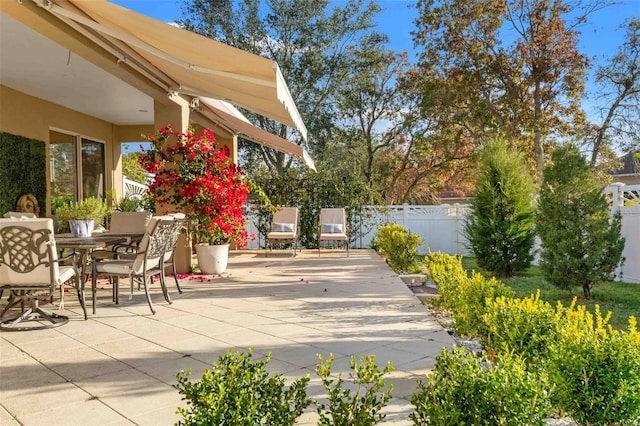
{"points": [[600, 36]]}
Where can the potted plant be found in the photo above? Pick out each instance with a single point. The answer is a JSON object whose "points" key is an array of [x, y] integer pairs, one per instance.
{"points": [[81, 217], [195, 176]]}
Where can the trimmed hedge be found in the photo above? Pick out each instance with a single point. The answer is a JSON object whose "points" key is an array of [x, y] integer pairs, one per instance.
{"points": [[466, 390], [593, 370], [22, 171]]}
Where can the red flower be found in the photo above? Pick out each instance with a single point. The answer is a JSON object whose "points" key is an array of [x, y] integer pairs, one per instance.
{"points": [[196, 177]]}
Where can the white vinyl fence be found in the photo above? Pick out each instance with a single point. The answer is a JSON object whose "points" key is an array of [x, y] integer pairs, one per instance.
{"points": [[626, 198], [442, 227]]}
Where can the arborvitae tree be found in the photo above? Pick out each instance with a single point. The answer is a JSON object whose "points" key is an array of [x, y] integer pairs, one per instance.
{"points": [[501, 226], [581, 240]]}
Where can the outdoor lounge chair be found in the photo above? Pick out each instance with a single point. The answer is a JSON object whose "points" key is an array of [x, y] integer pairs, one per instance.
{"points": [[333, 227], [29, 263], [284, 228]]}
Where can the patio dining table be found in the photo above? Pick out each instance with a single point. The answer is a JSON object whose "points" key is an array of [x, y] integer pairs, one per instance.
{"points": [[85, 245]]}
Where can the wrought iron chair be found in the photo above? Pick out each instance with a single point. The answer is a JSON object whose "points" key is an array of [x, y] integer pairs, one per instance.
{"points": [[333, 227], [147, 262], [19, 215], [170, 255], [29, 263], [124, 223], [284, 228]]}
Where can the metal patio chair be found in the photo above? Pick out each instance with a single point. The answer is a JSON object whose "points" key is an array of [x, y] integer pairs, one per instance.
{"points": [[28, 264], [146, 263]]}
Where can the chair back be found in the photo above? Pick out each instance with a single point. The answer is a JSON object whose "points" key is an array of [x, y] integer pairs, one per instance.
{"points": [[27, 253], [155, 244], [333, 221], [285, 219], [129, 222], [19, 215]]}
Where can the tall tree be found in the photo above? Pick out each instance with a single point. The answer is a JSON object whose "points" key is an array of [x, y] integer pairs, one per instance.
{"points": [[505, 68], [370, 103], [619, 86], [500, 227], [310, 42], [581, 241]]}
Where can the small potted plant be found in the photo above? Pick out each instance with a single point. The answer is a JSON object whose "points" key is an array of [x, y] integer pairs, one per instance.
{"points": [[81, 217], [195, 176]]}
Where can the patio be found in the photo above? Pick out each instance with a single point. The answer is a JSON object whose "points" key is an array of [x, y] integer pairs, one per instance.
{"points": [[118, 367]]}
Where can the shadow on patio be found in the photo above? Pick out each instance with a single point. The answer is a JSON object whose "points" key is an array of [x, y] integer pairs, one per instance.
{"points": [[119, 366]]}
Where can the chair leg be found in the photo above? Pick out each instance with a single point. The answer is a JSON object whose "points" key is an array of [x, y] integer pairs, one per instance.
{"points": [[94, 287], [81, 297], [163, 286], [175, 276], [146, 291], [44, 318]]}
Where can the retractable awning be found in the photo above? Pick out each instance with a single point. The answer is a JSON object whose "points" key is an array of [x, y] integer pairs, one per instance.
{"points": [[227, 116], [198, 65]]}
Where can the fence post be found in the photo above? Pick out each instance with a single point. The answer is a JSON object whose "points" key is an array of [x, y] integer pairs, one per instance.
{"points": [[617, 196]]}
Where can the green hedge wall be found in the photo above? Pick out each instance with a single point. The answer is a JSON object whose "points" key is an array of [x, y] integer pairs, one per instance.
{"points": [[22, 171]]}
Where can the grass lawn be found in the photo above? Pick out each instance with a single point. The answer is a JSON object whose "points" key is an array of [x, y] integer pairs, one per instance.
{"points": [[622, 299]]}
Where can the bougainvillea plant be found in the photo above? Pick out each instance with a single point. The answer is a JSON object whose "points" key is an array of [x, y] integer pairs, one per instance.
{"points": [[195, 176]]}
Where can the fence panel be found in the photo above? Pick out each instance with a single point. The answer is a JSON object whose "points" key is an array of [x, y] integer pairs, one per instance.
{"points": [[442, 227], [626, 198]]}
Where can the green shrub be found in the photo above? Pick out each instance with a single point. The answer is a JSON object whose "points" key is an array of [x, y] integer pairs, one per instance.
{"points": [[91, 208], [398, 246], [523, 326], [238, 391], [472, 300], [449, 276], [596, 369], [465, 297], [500, 226], [465, 390], [362, 407], [581, 241]]}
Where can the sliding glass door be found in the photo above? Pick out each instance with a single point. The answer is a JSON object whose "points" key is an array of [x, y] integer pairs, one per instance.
{"points": [[77, 168]]}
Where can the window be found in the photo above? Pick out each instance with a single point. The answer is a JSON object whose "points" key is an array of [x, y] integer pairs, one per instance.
{"points": [[75, 159]]}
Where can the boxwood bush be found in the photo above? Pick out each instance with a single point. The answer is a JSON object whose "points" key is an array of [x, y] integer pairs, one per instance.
{"points": [[466, 297], [466, 390], [398, 246], [526, 326], [596, 368], [237, 391]]}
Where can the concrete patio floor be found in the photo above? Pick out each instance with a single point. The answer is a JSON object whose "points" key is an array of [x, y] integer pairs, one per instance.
{"points": [[118, 367]]}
